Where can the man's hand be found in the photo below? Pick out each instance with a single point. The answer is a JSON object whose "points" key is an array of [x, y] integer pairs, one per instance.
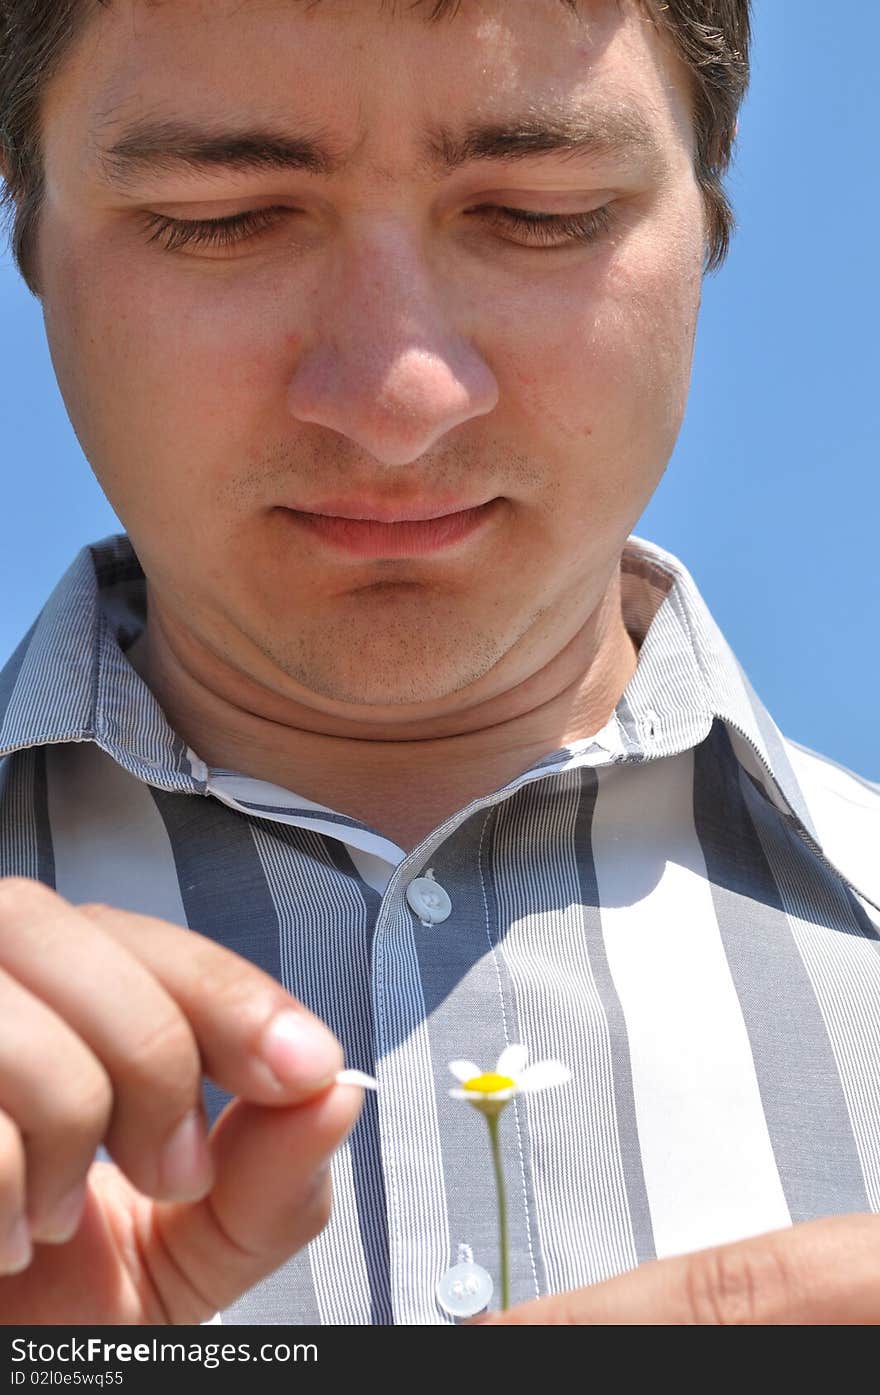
{"points": [[820, 1272], [108, 1022]]}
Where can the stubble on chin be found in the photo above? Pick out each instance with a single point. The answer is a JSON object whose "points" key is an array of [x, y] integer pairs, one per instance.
{"points": [[395, 659]]}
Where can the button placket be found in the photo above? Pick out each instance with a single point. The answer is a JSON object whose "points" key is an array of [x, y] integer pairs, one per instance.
{"points": [[409, 1128]]}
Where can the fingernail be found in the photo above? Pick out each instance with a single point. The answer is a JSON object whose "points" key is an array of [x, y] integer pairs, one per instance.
{"points": [[185, 1168], [64, 1218], [299, 1051], [18, 1251]]}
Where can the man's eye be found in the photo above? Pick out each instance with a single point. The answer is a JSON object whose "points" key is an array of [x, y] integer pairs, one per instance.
{"points": [[174, 233], [549, 229], [534, 229]]}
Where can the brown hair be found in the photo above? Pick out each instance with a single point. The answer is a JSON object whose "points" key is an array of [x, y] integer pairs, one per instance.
{"points": [[710, 36]]}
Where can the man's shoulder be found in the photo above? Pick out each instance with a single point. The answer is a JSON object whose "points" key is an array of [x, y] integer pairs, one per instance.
{"points": [[829, 779], [844, 808]]}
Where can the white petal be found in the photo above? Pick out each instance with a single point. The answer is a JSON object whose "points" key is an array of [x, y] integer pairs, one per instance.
{"points": [[544, 1074], [512, 1061], [356, 1077], [464, 1070]]}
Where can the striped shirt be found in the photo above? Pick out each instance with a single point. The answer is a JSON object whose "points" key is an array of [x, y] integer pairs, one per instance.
{"points": [[683, 908]]}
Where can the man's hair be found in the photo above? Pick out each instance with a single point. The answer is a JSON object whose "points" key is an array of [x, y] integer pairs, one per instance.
{"points": [[711, 38]]}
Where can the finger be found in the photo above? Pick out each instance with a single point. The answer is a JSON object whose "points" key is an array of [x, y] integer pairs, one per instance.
{"points": [[98, 1276], [15, 1245], [824, 1272], [102, 972], [271, 1196], [256, 1040], [58, 1097], [153, 1125]]}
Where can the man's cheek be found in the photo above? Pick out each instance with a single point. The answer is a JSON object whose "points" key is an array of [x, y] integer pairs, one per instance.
{"points": [[586, 392]]}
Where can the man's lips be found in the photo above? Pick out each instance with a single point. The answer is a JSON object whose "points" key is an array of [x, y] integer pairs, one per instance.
{"points": [[365, 510], [372, 532]]}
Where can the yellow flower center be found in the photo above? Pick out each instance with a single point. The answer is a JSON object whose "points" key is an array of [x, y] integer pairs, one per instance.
{"points": [[487, 1084]]}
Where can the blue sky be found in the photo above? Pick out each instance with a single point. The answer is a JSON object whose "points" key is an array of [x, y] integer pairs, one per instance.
{"points": [[771, 498]]}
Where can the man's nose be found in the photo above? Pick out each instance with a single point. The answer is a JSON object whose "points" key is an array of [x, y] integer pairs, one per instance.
{"points": [[390, 361]]}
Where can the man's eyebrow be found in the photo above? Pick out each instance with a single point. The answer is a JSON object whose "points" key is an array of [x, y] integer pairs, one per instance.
{"points": [[568, 131], [166, 146]]}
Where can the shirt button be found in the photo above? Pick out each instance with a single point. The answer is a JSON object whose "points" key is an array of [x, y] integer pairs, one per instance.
{"points": [[464, 1290], [429, 900]]}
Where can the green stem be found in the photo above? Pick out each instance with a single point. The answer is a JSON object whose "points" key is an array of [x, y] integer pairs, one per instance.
{"points": [[492, 1121]]}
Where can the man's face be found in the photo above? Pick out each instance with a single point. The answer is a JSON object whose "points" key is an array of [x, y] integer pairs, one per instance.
{"points": [[382, 340]]}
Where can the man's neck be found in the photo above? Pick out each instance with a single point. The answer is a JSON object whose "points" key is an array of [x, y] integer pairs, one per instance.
{"points": [[402, 785]]}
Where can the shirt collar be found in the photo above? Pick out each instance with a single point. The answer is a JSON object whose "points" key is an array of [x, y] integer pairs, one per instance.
{"points": [[69, 679]]}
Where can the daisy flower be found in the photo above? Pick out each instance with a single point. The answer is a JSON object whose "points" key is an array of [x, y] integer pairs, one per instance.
{"points": [[489, 1092]]}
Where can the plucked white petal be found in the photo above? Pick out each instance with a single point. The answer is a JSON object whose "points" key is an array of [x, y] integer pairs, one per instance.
{"points": [[356, 1077], [512, 1061], [543, 1074], [464, 1070]]}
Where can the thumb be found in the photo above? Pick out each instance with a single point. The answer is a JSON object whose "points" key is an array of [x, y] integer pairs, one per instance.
{"points": [[271, 1195]]}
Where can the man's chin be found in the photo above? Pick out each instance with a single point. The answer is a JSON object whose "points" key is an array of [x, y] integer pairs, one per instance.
{"points": [[390, 681], [425, 663], [371, 698]]}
